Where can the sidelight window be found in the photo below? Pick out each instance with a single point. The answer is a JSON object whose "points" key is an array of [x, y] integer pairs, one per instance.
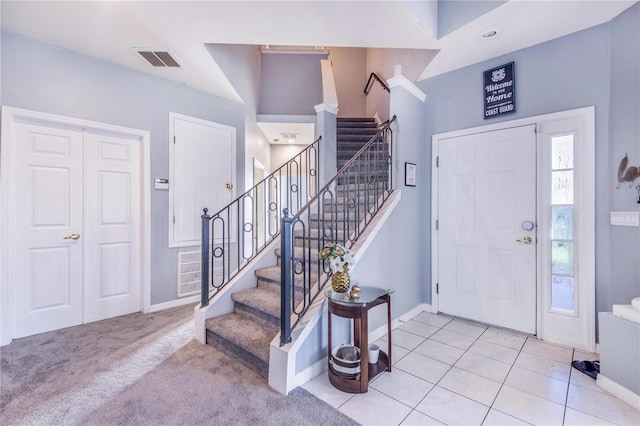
{"points": [[563, 288]]}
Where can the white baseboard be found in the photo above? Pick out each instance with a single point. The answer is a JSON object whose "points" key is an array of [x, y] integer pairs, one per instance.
{"points": [[408, 316], [382, 330], [193, 300], [312, 371], [618, 391]]}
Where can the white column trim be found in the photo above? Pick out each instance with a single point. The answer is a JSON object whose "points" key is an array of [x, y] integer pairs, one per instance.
{"points": [[330, 108], [402, 81]]}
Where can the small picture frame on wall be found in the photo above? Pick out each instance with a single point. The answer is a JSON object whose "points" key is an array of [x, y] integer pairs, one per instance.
{"points": [[409, 174]]}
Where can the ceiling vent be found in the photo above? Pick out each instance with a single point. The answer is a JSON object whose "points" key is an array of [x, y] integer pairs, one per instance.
{"points": [[158, 58], [290, 137]]}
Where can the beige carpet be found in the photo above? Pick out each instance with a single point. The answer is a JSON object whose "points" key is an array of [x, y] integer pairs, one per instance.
{"points": [[141, 370]]}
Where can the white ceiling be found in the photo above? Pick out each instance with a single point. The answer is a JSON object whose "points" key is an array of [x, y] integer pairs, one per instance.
{"points": [[110, 29]]}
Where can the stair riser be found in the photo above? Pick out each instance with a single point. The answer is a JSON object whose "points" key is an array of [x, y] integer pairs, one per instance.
{"points": [[356, 119], [357, 128], [340, 225], [355, 139], [363, 179], [299, 282], [235, 352], [357, 124], [276, 288], [256, 315]]}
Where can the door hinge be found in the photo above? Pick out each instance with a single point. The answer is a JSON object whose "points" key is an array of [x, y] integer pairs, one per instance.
{"points": [[174, 218], [174, 139], [437, 288], [538, 129], [438, 161], [437, 224]]}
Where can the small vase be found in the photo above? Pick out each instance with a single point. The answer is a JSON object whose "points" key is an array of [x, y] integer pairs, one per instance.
{"points": [[340, 282]]}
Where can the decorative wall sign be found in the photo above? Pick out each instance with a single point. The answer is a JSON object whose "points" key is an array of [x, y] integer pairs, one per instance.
{"points": [[499, 91], [409, 174]]}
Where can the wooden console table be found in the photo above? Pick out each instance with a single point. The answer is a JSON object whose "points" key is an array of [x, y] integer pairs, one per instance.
{"points": [[357, 309]]}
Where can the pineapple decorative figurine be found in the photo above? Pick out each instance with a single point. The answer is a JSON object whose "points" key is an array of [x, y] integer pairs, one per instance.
{"points": [[340, 281], [340, 258]]}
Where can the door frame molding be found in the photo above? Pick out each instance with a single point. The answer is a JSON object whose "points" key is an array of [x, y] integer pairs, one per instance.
{"points": [[587, 194], [9, 116]]}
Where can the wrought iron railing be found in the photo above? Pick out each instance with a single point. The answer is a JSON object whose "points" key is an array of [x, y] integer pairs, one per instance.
{"points": [[373, 77], [235, 235], [340, 212]]}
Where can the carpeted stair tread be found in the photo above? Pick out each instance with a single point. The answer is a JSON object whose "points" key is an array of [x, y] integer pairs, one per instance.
{"points": [[243, 339], [340, 217], [299, 252], [356, 119], [272, 274], [316, 234], [260, 299]]}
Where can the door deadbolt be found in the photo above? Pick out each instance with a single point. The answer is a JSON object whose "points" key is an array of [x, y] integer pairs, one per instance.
{"points": [[527, 225]]}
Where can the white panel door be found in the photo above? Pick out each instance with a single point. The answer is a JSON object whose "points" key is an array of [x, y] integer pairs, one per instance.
{"points": [[112, 273], [486, 205], [47, 211], [202, 175]]}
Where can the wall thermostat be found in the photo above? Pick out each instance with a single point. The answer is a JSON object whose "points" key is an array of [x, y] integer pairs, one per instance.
{"points": [[161, 183]]}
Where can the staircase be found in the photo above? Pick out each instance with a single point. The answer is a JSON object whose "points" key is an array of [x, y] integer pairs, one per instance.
{"points": [[247, 332], [352, 135]]}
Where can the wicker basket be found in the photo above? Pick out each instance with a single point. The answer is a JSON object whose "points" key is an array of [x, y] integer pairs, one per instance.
{"points": [[345, 361]]}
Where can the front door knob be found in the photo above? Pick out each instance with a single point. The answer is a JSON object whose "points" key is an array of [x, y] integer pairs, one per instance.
{"points": [[73, 236], [526, 240]]}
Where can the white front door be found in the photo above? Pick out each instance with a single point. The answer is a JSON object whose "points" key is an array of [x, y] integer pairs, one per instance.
{"points": [[486, 220], [76, 227], [112, 264], [47, 212]]}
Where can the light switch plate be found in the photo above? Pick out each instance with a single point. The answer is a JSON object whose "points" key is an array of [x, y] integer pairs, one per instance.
{"points": [[625, 218]]}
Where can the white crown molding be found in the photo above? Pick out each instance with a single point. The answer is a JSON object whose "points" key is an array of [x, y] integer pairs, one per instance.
{"points": [[402, 81], [333, 109]]}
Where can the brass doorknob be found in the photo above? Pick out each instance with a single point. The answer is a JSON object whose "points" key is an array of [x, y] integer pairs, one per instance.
{"points": [[228, 186], [526, 240], [73, 236]]}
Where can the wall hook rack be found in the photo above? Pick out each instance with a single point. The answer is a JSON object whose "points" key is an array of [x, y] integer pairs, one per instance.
{"points": [[627, 174]]}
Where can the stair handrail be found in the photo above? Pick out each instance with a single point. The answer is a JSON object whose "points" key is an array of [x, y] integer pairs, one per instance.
{"points": [[219, 229], [373, 77], [375, 191]]}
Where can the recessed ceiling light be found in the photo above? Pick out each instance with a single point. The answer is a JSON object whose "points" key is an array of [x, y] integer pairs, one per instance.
{"points": [[490, 33]]}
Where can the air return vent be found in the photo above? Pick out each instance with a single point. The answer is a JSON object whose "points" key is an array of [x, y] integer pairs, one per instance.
{"points": [[158, 58], [289, 137]]}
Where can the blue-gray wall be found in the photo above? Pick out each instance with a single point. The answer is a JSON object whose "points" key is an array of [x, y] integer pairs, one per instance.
{"points": [[45, 78], [241, 64], [291, 83], [395, 257], [621, 278], [453, 14], [599, 66]]}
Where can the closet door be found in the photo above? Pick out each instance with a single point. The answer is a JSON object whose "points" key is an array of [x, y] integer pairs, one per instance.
{"points": [[47, 258], [112, 273], [76, 214]]}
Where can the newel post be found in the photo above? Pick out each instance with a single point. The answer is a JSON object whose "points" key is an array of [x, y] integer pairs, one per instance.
{"points": [[204, 265], [285, 278]]}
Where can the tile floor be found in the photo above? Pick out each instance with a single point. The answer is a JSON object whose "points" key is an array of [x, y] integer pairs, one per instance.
{"points": [[455, 372]]}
